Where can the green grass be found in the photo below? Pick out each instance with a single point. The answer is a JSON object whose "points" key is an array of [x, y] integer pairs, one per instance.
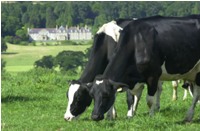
{"points": [[36, 101], [21, 58]]}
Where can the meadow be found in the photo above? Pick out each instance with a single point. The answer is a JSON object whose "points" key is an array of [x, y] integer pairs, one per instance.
{"points": [[21, 58], [35, 99]]}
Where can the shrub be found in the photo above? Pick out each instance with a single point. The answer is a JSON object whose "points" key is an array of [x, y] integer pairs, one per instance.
{"points": [[69, 60], [8, 39], [24, 43], [45, 62], [3, 65], [3, 45], [16, 40]]}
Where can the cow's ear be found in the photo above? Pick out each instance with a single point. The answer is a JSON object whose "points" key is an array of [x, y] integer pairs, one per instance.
{"points": [[87, 86], [73, 82], [118, 86]]}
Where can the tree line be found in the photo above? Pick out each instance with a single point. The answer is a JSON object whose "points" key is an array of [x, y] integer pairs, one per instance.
{"points": [[16, 17]]}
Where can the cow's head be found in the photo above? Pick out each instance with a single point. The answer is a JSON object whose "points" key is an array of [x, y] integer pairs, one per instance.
{"points": [[78, 100], [103, 91]]}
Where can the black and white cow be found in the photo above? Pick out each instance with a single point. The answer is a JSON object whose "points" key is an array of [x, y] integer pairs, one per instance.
{"points": [[187, 86], [157, 48], [104, 44]]}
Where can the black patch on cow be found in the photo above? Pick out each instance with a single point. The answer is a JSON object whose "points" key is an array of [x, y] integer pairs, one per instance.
{"points": [[75, 82], [81, 100]]}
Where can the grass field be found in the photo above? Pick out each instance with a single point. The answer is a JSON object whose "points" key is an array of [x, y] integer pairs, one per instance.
{"points": [[35, 100], [21, 58]]}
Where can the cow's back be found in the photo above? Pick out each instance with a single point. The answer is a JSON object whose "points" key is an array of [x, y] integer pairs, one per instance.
{"points": [[177, 40]]}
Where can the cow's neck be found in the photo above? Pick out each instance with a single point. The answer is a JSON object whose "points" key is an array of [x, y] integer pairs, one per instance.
{"points": [[96, 64], [118, 65]]}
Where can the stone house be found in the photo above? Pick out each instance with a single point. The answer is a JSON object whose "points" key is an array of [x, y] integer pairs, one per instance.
{"points": [[61, 33]]}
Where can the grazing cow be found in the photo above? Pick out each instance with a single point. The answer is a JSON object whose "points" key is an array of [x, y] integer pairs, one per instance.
{"points": [[186, 86], [189, 87], [157, 48], [105, 42], [175, 86]]}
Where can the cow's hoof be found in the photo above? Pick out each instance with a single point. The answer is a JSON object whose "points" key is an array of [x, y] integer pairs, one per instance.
{"points": [[187, 121]]}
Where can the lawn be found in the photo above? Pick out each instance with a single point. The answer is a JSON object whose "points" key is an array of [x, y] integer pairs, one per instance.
{"points": [[21, 58], [36, 101]]}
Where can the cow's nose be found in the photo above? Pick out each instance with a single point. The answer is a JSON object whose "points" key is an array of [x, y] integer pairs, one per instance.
{"points": [[97, 117], [67, 118]]}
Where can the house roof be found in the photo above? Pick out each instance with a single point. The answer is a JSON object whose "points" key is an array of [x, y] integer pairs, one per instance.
{"points": [[60, 29]]}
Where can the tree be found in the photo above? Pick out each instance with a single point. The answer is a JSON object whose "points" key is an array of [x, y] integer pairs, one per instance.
{"points": [[34, 16], [50, 18], [196, 8], [69, 60], [45, 62], [3, 65], [3, 45], [16, 15], [22, 33]]}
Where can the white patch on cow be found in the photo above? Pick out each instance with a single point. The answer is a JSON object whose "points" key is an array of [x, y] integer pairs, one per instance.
{"points": [[72, 90], [135, 103], [174, 83], [190, 75], [111, 114], [135, 18], [99, 82], [185, 94], [137, 92], [175, 86], [111, 29], [119, 90], [130, 112]]}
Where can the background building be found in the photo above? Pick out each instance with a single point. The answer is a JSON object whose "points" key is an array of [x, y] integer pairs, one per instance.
{"points": [[61, 33]]}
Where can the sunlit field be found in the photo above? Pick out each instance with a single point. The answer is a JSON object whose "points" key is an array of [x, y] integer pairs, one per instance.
{"points": [[21, 58]]}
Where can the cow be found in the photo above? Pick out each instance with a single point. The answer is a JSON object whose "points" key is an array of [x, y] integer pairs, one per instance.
{"points": [[104, 44], [186, 86], [157, 48]]}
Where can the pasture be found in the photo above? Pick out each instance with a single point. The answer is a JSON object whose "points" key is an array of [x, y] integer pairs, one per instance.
{"points": [[35, 100], [21, 58]]}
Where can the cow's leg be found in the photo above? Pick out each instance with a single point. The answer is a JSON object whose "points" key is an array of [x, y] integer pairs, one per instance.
{"points": [[185, 94], [130, 101], [190, 89], [196, 97], [133, 100], [186, 87], [111, 114], [158, 93], [152, 84], [175, 86]]}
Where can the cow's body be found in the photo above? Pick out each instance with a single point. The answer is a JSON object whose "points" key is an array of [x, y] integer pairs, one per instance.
{"points": [[158, 48], [105, 42]]}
